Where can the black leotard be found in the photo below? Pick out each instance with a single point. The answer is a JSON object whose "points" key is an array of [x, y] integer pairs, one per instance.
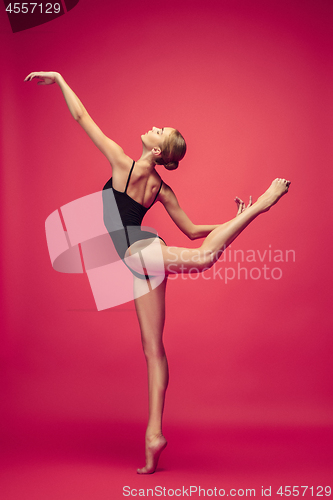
{"points": [[131, 214]]}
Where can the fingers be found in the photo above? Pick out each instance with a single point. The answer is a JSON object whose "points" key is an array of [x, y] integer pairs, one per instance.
{"points": [[32, 75], [44, 78], [35, 74], [240, 204], [238, 200]]}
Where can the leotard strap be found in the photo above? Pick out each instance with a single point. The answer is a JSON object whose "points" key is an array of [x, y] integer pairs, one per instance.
{"points": [[129, 176]]}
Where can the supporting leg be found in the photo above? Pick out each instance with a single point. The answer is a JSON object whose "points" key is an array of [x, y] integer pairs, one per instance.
{"points": [[150, 309]]}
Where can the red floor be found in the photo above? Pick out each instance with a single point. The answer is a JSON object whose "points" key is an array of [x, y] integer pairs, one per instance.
{"points": [[81, 462]]}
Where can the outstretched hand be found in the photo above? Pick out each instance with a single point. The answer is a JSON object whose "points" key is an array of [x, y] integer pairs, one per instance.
{"points": [[241, 205], [44, 77]]}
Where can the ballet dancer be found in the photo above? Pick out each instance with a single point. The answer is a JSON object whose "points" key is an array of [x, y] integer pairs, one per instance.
{"points": [[136, 186]]}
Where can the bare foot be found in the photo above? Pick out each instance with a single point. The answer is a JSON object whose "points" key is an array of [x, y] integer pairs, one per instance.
{"points": [[278, 188], [154, 447]]}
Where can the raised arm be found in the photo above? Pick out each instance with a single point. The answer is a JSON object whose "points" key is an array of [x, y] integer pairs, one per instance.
{"points": [[113, 152], [177, 214]]}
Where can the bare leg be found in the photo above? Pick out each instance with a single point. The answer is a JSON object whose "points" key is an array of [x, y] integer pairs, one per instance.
{"points": [[171, 260], [223, 236], [150, 309]]}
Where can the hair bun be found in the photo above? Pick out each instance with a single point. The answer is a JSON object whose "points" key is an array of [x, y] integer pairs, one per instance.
{"points": [[172, 165], [172, 151]]}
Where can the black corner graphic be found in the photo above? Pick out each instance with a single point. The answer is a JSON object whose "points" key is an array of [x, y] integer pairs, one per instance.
{"points": [[70, 4], [25, 15]]}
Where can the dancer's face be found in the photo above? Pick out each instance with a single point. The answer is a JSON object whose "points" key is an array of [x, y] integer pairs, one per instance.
{"points": [[155, 137]]}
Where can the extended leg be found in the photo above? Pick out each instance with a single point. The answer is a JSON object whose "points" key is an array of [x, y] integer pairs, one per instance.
{"points": [[150, 309], [182, 260]]}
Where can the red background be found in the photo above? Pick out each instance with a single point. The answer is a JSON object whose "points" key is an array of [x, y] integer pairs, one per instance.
{"points": [[249, 86]]}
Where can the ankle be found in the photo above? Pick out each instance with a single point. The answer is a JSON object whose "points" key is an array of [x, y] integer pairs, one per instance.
{"points": [[261, 205], [152, 435]]}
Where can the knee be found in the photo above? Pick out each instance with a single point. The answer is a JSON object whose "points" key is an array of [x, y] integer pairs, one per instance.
{"points": [[153, 351], [205, 260]]}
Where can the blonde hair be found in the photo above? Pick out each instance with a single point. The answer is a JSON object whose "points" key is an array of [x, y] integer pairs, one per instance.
{"points": [[173, 150]]}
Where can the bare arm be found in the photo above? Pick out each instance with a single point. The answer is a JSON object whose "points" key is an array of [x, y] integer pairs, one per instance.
{"points": [[177, 214], [109, 148]]}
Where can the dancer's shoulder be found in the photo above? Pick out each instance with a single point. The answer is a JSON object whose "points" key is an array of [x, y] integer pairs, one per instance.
{"points": [[167, 195]]}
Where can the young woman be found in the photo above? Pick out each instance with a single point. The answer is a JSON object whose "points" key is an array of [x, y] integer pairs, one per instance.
{"points": [[136, 186]]}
